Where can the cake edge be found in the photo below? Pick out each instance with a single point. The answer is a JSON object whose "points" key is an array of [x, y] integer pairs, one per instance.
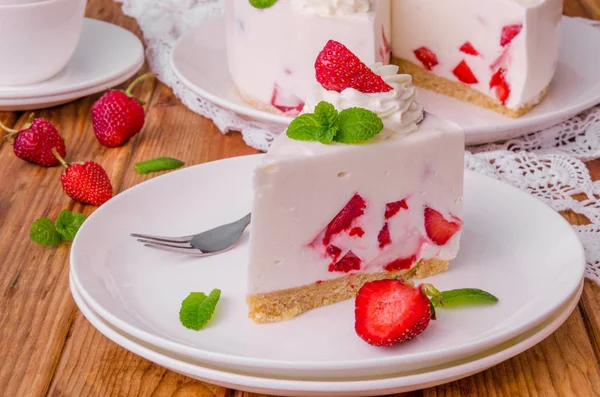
{"points": [[460, 91], [286, 304]]}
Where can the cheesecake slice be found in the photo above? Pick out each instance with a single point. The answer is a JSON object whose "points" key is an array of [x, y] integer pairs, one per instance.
{"points": [[498, 54], [271, 51], [328, 217]]}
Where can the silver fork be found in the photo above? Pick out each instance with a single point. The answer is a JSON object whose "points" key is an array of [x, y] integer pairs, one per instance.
{"points": [[210, 242]]}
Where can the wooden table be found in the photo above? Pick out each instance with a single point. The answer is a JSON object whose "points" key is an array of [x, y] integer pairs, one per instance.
{"points": [[48, 347]]}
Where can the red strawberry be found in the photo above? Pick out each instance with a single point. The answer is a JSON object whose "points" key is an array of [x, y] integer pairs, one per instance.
{"points": [[392, 209], [337, 68], [401, 263], [439, 230], [509, 32], [35, 142], [289, 104], [343, 220], [389, 312], [427, 57], [118, 115], [349, 262], [468, 48], [464, 73], [498, 81], [384, 236], [86, 182]]}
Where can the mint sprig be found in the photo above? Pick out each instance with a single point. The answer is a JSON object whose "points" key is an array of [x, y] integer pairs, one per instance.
{"points": [[326, 125], [197, 309], [262, 3], [45, 232], [157, 164], [68, 224]]}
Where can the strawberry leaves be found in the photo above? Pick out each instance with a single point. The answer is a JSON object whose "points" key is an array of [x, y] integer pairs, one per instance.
{"points": [[326, 125]]}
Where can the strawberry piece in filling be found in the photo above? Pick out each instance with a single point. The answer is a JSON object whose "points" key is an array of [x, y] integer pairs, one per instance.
{"points": [[401, 263], [426, 57], [468, 48], [334, 252], [287, 103], [439, 230], [346, 264], [498, 81], [392, 209], [343, 220], [464, 73], [384, 236], [357, 231], [509, 32]]}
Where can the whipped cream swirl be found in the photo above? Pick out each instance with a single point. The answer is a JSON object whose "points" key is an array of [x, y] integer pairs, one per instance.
{"points": [[398, 108], [332, 7]]}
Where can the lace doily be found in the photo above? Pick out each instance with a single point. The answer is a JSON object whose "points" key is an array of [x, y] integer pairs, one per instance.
{"points": [[548, 164]]}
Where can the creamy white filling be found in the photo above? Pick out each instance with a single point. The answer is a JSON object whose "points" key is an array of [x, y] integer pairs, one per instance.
{"points": [[332, 7], [398, 108]]}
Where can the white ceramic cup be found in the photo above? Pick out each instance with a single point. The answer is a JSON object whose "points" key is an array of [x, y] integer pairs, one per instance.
{"points": [[38, 39]]}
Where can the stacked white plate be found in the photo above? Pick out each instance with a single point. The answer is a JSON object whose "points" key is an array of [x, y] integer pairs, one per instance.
{"points": [[106, 56], [513, 246]]}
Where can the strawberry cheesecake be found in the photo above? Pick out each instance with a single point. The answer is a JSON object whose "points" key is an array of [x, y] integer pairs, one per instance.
{"points": [[362, 186], [497, 54], [272, 45]]}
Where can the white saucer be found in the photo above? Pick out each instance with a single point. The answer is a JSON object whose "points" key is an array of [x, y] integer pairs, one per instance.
{"points": [[349, 387], [513, 246], [199, 61], [107, 55]]}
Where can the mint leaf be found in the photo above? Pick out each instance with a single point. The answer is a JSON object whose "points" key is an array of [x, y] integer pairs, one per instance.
{"points": [[43, 232], [357, 125], [465, 297], [157, 164], [197, 309], [262, 3], [326, 113], [306, 127], [68, 224]]}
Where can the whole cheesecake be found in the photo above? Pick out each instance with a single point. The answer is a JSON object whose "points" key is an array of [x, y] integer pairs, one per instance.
{"points": [[335, 207], [497, 54]]}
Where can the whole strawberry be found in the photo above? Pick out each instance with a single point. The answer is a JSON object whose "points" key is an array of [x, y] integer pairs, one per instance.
{"points": [[389, 312], [118, 115], [35, 142], [86, 182]]}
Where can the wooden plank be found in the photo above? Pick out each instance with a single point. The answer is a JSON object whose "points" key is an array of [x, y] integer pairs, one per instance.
{"points": [[91, 364], [574, 8], [591, 8], [36, 308], [561, 365]]}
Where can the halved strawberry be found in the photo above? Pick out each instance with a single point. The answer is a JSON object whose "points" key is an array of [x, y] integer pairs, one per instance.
{"points": [[509, 32], [400, 263], [426, 57], [343, 220], [337, 68], [439, 230], [388, 312], [384, 236], [498, 81], [468, 48], [349, 262], [464, 73], [392, 209]]}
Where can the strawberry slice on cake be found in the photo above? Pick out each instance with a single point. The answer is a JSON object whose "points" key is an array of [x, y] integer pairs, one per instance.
{"points": [[360, 187]]}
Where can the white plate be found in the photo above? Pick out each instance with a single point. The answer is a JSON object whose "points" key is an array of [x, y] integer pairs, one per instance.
{"points": [[349, 387], [106, 54], [199, 61], [513, 246]]}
